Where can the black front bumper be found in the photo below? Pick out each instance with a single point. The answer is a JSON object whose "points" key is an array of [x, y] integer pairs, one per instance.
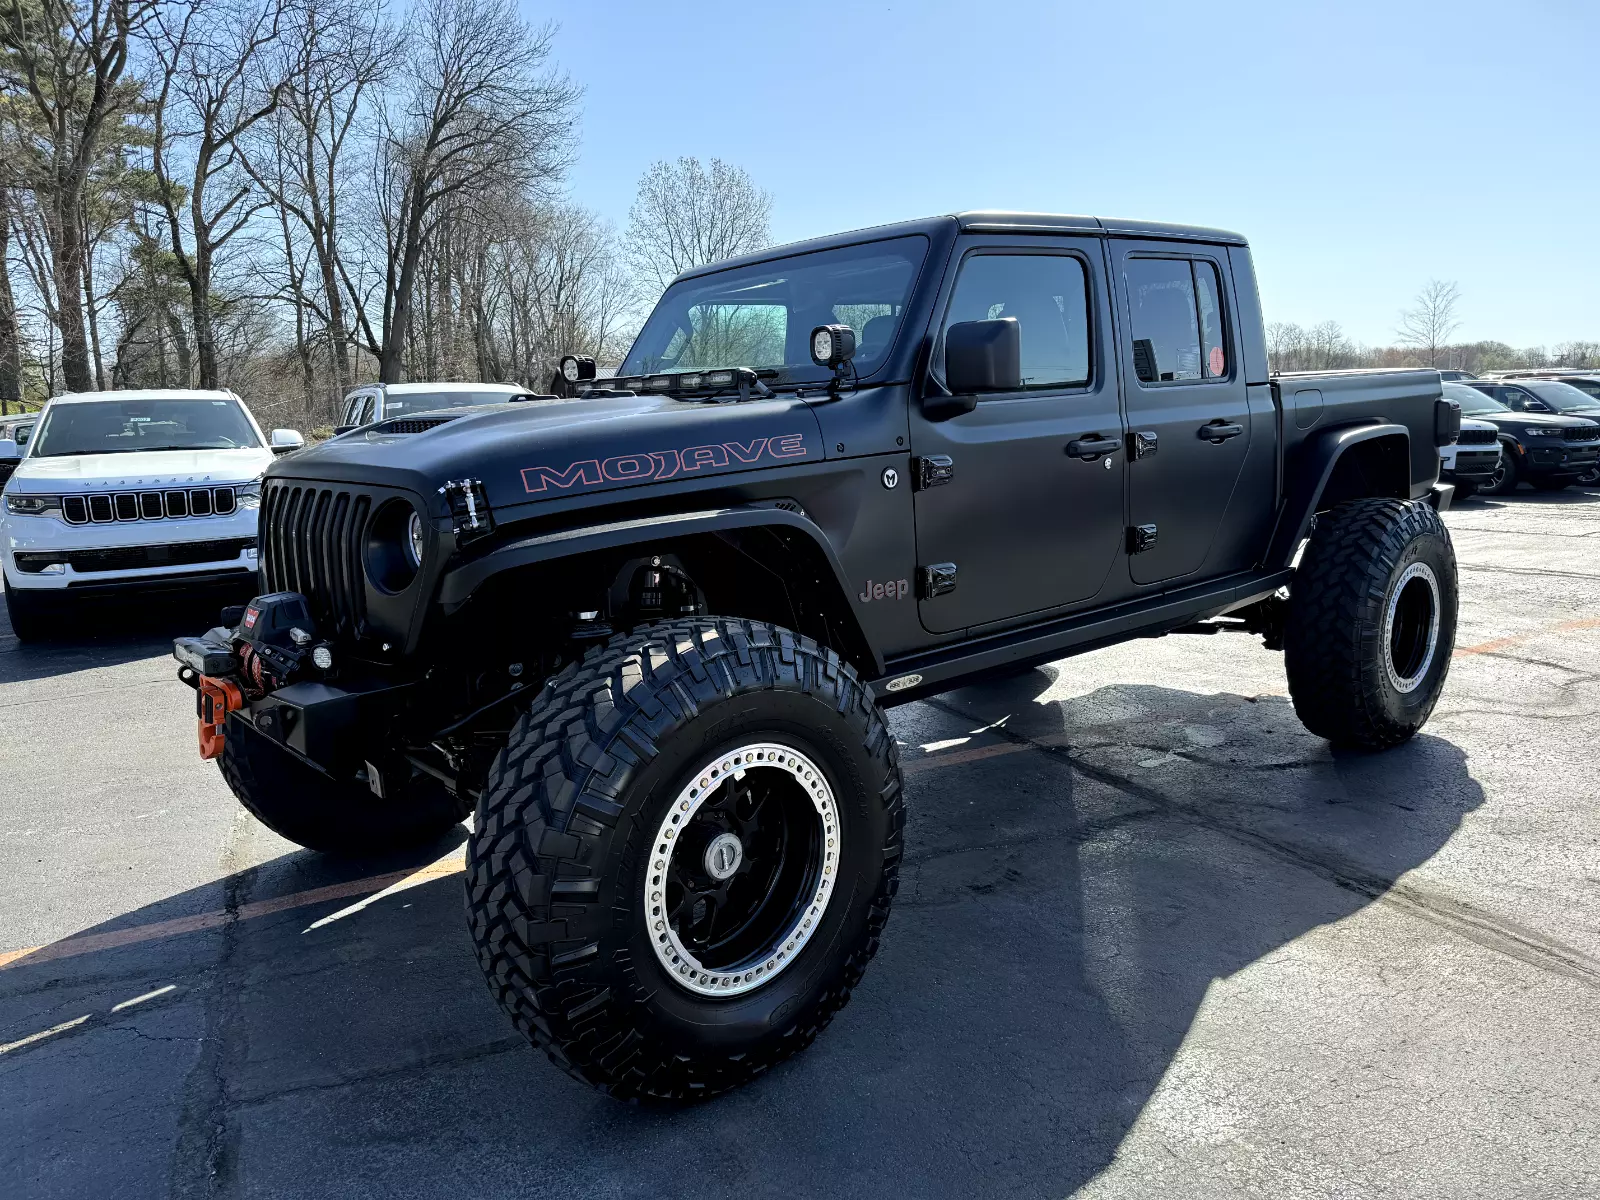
{"points": [[332, 728]]}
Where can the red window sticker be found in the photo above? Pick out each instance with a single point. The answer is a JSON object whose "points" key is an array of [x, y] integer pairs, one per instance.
{"points": [[1218, 362], [250, 615]]}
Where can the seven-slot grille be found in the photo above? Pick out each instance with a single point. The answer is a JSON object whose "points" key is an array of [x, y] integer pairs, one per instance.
{"points": [[101, 508], [311, 539], [1476, 437], [1582, 433]]}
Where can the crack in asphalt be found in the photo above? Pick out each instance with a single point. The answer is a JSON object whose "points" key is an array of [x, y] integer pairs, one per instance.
{"points": [[1499, 934], [204, 1151], [446, 1058], [1461, 566]]}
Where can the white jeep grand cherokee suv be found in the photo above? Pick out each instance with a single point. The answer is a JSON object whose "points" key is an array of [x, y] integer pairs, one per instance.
{"points": [[132, 489]]}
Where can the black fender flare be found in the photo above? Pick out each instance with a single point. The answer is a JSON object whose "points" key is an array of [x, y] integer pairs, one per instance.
{"points": [[460, 582], [1308, 474]]}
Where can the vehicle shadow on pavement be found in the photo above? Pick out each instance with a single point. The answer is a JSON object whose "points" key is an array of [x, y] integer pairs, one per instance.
{"points": [[109, 631], [1078, 876]]}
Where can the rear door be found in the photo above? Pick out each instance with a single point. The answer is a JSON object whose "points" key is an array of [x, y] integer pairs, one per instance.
{"points": [[1188, 415], [1028, 526]]}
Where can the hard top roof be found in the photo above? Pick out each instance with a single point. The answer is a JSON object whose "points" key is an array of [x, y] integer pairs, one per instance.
{"points": [[143, 394], [984, 221], [429, 389]]}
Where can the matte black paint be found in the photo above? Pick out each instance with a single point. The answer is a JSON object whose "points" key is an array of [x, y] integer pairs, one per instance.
{"points": [[1038, 535]]}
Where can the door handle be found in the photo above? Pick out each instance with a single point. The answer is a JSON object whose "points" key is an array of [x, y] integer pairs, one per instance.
{"points": [[1219, 431], [1092, 447]]}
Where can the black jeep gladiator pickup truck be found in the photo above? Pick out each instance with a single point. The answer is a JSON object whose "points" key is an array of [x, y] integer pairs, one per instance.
{"points": [[645, 632]]}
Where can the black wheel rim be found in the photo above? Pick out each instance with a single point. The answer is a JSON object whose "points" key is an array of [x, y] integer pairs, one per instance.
{"points": [[742, 869]]}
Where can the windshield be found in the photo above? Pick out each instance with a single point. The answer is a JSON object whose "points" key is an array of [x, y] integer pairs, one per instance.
{"points": [[762, 315], [1562, 397], [1473, 402], [415, 402], [1590, 387], [125, 426]]}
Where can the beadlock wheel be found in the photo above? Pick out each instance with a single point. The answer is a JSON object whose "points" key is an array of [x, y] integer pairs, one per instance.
{"points": [[1411, 627], [743, 866]]}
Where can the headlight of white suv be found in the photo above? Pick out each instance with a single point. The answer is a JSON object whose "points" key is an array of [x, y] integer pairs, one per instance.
{"points": [[34, 506], [248, 495]]}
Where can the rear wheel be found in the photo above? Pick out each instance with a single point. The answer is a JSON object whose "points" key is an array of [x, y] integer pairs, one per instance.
{"points": [[1372, 622], [685, 856], [34, 614], [307, 807]]}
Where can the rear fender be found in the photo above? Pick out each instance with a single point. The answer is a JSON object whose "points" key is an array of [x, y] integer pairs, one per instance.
{"points": [[1336, 465]]}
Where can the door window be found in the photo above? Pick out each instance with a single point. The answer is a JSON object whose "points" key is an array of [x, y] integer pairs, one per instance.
{"points": [[1048, 294], [1178, 330]]}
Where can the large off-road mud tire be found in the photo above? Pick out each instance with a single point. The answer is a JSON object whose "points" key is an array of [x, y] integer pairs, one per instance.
{"points": [[595, 888], [298, 802], [1372, 622], [35, 615]]}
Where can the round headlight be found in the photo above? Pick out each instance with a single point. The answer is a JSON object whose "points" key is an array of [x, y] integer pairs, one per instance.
{"points": [[416, 541]]}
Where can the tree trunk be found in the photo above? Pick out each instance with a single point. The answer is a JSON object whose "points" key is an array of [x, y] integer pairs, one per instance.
{"points": [[94, 316], [10, 334], [67, 267], [180, 343]]}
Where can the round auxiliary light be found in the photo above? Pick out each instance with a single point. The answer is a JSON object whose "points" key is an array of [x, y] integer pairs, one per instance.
{"points": [[576, 367], [323, 658], [416, 542], [832, 345]]}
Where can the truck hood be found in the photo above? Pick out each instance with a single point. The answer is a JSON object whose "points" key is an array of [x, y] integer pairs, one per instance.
{"points": [[138, 469], [534, 451]]}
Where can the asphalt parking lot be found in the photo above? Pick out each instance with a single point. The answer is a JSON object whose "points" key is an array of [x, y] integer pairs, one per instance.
{"points": [[1153, 939]]}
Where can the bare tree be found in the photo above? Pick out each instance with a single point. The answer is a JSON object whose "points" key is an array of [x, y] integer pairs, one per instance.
{"points": [[479, 108], [335, 55], [10, 330], [67, 59], [686, 215], [1428, 324], [215, 88]]}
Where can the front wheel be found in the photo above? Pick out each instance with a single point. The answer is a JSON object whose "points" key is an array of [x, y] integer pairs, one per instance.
{"points": [[1504, 479], [685, 856], [1372, 622], [35, 615]]}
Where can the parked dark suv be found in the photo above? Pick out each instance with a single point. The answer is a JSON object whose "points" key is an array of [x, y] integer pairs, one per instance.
{"points": [[1542, 446]]}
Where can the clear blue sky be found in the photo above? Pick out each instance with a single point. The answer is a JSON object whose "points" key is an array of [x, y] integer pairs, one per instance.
{"points": [[1362, 147]]}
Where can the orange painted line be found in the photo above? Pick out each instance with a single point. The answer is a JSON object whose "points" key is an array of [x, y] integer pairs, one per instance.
{"points": [[1516, 639], [90, 943]]}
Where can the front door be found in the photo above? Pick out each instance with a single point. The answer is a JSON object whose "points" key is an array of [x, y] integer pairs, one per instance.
{"points": [[1031, 515], [1188, 415]]}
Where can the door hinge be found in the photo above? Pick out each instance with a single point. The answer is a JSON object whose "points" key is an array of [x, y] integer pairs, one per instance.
{"points": [[1141, 443], [936, 580], [1141, 538], [934, 470]]}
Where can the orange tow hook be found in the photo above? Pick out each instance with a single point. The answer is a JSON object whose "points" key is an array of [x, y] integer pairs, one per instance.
{"points": [[215, 699]]}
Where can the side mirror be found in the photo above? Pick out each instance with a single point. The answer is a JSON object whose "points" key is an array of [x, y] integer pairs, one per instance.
{"points": [[983, 356], [284, 440]]}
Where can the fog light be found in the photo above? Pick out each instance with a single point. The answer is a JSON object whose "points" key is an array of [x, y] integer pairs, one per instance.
{"points": [[323, 658], [53, 569]]}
